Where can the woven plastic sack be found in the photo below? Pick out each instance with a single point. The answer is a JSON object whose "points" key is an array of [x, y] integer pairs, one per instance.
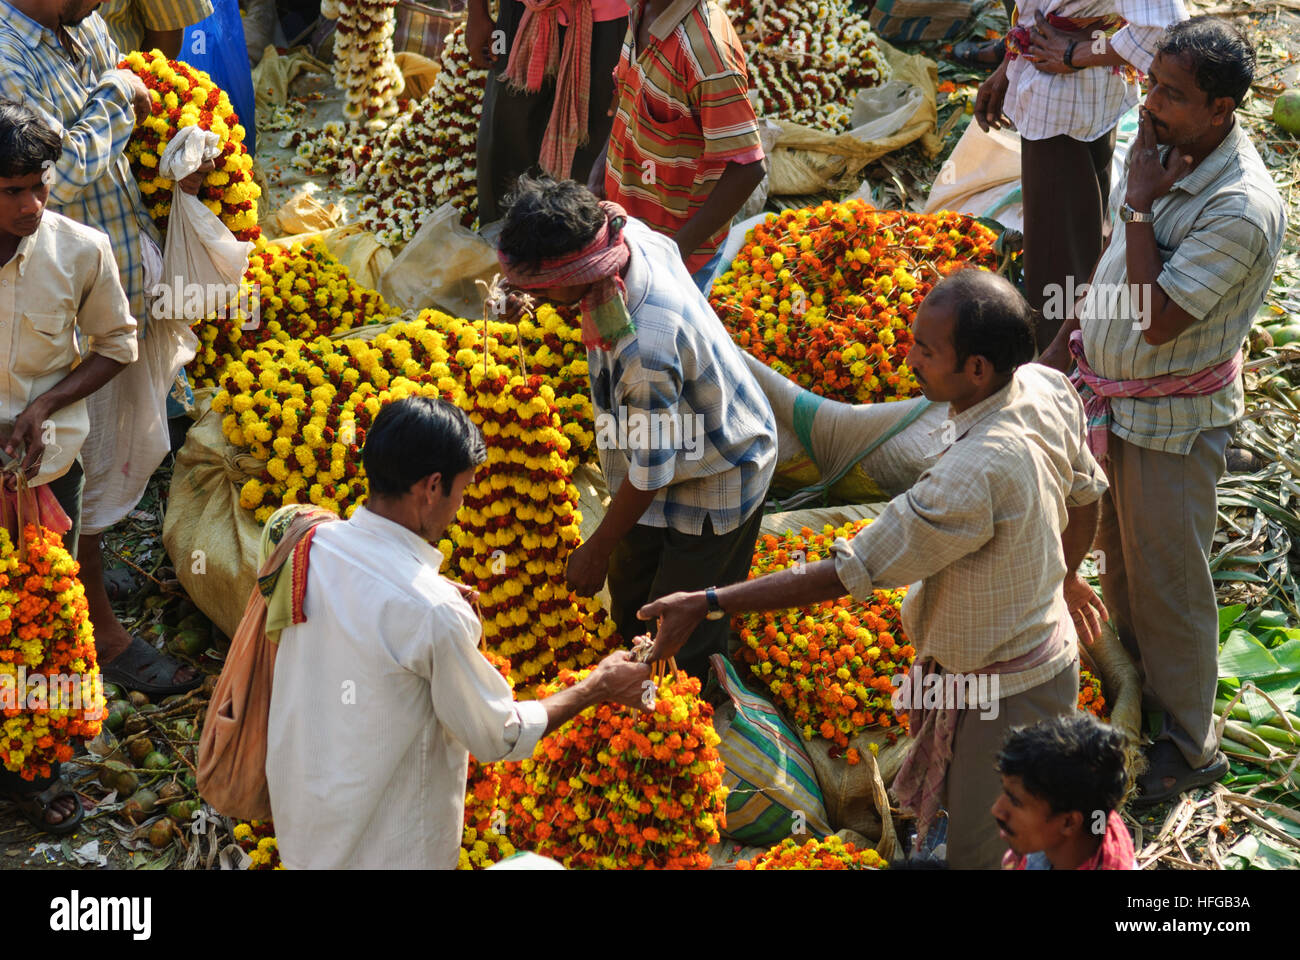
{"points": [[852, 453], [907, 21], [773, 791]]}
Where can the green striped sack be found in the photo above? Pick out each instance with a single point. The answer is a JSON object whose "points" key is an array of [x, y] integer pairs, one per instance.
{"points": [[773, 787]]}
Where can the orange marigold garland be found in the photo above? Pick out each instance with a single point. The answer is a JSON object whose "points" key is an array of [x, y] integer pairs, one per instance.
{"points": [[617, 788], [826, 295], [257, 839], [182, 96], [830, 665], [50, 689], [1090, 698], [829, 854]]}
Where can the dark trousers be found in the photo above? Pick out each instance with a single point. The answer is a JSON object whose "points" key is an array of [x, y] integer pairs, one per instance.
{"points": [[652, 562], [1066, 188], [513, 124]]}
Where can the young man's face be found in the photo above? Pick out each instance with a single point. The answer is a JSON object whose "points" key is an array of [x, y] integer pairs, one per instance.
{"points": [[1026, 822], [1180, 111], [22, 203], [439, 509]]}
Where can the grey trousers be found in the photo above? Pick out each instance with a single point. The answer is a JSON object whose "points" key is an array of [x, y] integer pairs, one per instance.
{"points": [[1156, 532], [973, 784]]}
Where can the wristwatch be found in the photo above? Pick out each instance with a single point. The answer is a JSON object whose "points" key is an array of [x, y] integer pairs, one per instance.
{"points": [[715, 609], [1128, 215]]}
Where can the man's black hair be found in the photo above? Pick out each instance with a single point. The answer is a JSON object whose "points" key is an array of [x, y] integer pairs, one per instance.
{"points": [[1222, 59], [991, 319], [1074, 762], [27, 143], [548, 218], [416, 437]]}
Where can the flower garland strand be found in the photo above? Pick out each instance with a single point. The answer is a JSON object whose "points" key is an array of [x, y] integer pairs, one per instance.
{"points": [[829, 854], [364, 66], [182, 96]]}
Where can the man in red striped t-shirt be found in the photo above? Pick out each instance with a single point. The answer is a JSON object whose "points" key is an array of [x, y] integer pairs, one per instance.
{"points": [[684, 153]]}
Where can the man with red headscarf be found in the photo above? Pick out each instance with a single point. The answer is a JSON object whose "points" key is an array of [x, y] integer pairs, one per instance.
{"points": [[686, 437]]}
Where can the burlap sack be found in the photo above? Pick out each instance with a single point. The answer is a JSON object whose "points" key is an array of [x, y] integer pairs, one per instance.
{"points": [[212, 541], [1122, 687], [808, 161]]}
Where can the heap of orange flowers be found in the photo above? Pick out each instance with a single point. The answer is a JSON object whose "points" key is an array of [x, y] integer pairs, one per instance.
{"points": [[182, 96], [829, 854], [830, 665], [618, 788], [827, 295], [45, 633]]}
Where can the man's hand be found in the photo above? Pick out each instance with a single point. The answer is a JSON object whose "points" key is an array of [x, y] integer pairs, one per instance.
{"points": [[620, 679], [588, 565], [1047, 45], [988, 101], [192, 183], [140, 101], [478, 38], [1148, 178], [1086, 609], [27, 434], [678, 615]]}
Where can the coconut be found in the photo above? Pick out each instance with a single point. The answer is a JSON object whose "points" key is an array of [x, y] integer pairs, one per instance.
{"points": [[137, 750], [155, 761], [1286, 111], [170, 792], [138, 699], [160, 834], [140, 805]]}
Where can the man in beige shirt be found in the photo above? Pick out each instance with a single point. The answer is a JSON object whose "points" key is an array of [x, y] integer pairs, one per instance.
{"points": [[58, 280], [1158, 342], [987, 538]]}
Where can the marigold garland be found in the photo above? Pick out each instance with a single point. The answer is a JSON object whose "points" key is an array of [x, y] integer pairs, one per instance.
{"points": [[830, 665], [1090, 698], [615, 787], [257, 839], [45, 632], [826, 295], [182, 96], [829, 854]]}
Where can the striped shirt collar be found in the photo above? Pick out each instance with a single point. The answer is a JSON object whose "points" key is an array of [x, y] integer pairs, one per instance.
{"points": [[27, 29], [669, 20], [1209, 169]]}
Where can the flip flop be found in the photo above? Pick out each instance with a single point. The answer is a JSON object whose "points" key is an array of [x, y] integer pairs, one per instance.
{"points": [[141, 667], [1164, 759], [33, 807], [974, 53]]}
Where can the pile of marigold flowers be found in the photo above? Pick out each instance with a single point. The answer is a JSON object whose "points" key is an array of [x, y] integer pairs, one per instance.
{"points": [[257, 839], [826, 295], [830, 665], [182, 96], [808, 58], [45, 632], [829, 854], [299, 292], [620, 788], [1090, 698]]}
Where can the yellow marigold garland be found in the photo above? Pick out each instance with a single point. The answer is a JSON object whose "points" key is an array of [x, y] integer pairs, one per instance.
{"points": [[829, 854], [45, 632], [182, 96]]}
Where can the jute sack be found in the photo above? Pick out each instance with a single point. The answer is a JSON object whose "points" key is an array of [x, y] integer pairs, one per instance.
{"points": [[212, 541], [850, 453], [1122, 687]]}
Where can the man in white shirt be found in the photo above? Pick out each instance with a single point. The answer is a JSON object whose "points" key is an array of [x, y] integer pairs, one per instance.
{"points": [[382, 694], [58, 281]]}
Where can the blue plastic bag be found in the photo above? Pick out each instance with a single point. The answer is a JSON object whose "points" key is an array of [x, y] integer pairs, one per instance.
{"points": [[216, 46]]}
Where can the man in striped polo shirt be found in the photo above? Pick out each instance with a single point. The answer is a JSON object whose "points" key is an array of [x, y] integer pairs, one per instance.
{"points": [[1158, 347], [686, 437], [684, 154]]}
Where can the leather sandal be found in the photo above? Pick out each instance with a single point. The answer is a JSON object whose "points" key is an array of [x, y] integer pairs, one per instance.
{"points": [[1165, 761], [34, 806]]}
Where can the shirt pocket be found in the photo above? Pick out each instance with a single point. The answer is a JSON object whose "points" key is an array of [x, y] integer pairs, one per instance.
{"points": [[667, 122], [45, 346]]}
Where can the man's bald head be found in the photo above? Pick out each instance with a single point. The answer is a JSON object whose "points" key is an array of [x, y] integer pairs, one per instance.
{"points": [[989, 318]]}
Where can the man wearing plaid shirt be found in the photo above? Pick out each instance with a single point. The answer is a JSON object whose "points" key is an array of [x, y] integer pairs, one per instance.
{"points": [[149, 24], [57, 59], [1064, 86], [686, 437], [1158, 342], [989, 539]]}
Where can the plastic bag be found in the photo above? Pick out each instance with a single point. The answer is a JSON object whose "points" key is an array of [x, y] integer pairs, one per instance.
{"points": [[200, 252], [217, 47], [439, 266]]}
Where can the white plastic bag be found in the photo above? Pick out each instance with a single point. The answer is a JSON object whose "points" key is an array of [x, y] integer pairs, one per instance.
{"points": [[200, 254]]}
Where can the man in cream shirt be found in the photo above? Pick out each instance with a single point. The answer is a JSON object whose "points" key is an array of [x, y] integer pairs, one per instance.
{"points": [[382, 694], [58, 281]]}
